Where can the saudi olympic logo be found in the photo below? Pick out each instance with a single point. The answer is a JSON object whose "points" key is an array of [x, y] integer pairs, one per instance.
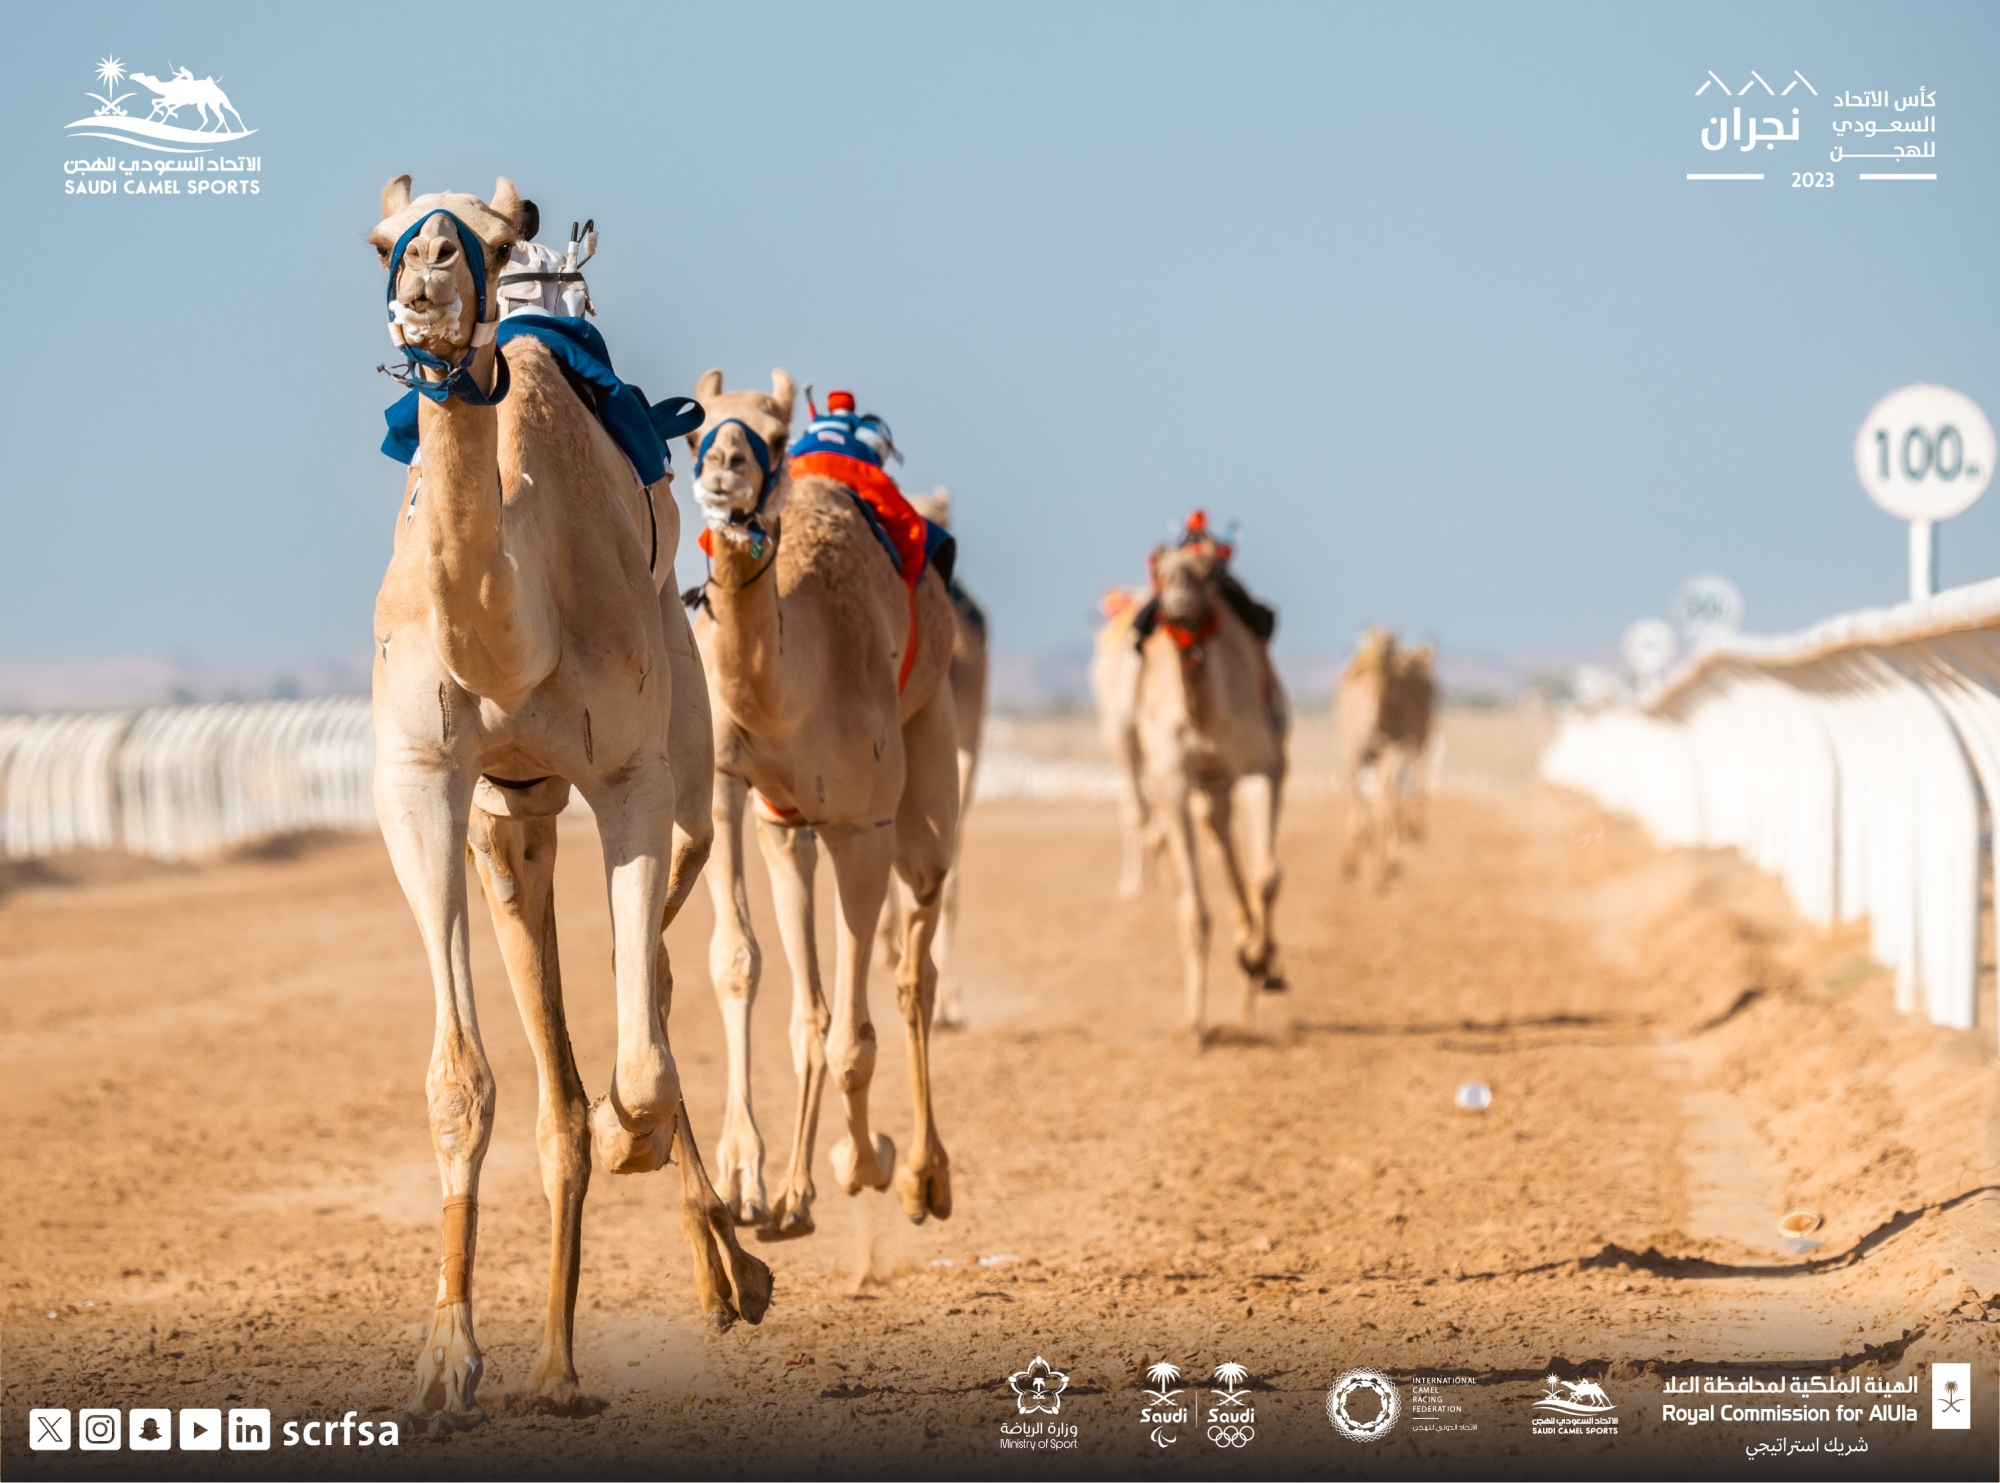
{"points": [[1368, 1427]]}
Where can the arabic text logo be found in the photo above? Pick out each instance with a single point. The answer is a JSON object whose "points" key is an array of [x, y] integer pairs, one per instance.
{"points": [[1038, 1388], [1364, 1405], [1584, 1398]]}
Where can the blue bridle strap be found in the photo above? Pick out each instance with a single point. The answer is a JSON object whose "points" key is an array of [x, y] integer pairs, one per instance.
{"points": [[759, 449], [455, 380]]}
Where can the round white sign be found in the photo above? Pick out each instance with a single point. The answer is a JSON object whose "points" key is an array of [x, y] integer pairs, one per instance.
{"points": [[1708, 605], [1925, 452], [1649, 647]]}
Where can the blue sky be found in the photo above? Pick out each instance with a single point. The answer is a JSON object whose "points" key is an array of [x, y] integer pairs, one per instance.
{"points": [[1418, 293]]}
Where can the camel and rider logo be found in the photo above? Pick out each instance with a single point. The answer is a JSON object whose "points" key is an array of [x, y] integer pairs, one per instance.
{"points": [[175, 114], [1574, 1407]]}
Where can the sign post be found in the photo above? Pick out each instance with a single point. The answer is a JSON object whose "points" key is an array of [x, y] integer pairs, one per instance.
{"points": [[1924, 454], [1649, 647]]}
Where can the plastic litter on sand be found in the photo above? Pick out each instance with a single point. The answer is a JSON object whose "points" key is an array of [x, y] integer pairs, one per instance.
{"points": [[1474, 1096]]}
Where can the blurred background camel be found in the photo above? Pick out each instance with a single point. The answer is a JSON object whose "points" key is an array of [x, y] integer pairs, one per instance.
{"points": [[968, 690], [1209, 718], [1114, 683], [1382, 715]]}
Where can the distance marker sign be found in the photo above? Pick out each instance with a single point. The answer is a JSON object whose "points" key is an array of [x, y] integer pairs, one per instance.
{"points": [[1925, 452]]}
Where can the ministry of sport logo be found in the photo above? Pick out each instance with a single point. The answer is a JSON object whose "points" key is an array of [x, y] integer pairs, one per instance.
{"points": [[1364, 1405], [1038, 1391], [176, 126]]}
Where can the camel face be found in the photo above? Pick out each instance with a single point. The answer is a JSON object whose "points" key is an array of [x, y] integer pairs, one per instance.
{"points": [[730, 481], [1186, 580], [436, 295]]}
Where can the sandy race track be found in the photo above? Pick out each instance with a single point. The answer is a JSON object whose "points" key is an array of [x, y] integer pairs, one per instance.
{"points": [[219, 1186]]}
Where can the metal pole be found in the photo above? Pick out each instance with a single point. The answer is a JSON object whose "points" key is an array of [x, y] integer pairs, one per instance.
{"points": [[1923, 560]]}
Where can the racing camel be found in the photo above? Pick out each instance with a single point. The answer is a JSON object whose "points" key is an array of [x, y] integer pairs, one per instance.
{"points": [[829, 675], [522, 647], [1210, 716], [1382, 715]]}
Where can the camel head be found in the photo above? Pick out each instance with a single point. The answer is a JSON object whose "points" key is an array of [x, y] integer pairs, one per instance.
{"points": [[435, 299], [934, 507], [1417, 659], [1374, 654], [740, 479], [1184, 577]]}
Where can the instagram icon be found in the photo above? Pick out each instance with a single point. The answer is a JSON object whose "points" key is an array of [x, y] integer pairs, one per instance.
{"points": [[97, 1431]]}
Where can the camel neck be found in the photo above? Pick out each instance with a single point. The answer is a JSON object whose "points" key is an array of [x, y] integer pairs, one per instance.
{"points": [[753, 664], [474, 580]]}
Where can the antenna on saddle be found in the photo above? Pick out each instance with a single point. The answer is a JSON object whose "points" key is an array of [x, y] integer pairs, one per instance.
{"points": [[812, 412]]}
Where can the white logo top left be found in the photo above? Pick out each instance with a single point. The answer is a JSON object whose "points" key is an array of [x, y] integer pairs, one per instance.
{"points": [[177, 122]]}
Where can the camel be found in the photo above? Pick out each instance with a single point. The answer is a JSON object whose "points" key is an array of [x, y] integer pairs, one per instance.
{"points": [[523, 647], [1382, 714], [829, 678], [968, 691], [1211, 718], [183, 88], [1114, 682]]}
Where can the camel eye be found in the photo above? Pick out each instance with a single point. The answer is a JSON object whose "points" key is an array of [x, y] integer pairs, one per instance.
{"points": [[383, 254]]}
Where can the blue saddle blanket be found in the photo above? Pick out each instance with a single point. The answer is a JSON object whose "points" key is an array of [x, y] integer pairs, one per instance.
{"points": [[641, 431]]}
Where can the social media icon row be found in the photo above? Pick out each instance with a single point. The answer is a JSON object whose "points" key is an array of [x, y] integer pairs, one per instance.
{"points": [[98, 1430]]}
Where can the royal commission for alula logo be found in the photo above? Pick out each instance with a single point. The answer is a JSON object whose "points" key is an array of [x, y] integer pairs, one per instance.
{"points": [[165, 134]]}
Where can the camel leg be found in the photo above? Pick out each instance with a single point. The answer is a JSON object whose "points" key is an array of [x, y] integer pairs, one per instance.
{"points": [[691, 750], [728, 1281], [734, 966], [1261, 795], [950, 1003], [516, 859], [1135, 822], [1221, 826], [633, 1125], [926, 841], [424, 818], [862, 855], [1387, 822], [1171, 795], [792, 855]]}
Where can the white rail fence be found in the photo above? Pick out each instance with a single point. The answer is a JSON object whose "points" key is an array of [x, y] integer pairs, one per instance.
{"points": [[1855, 760], [176, 782]]}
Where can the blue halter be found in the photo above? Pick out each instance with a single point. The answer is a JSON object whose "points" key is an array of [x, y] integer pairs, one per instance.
{"points": [[759, 449], [457, 380]]}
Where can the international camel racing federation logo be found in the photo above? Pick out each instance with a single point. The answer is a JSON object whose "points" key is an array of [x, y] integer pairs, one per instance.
{"points": [[1364, 1405], [186, 123], [1574, 1408]]}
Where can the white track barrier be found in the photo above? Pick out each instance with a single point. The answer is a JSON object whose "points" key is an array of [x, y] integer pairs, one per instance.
{"points": [[1854, 760], [179, 782]]}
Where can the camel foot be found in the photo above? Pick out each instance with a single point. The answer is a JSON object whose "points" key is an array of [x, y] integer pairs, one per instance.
{"points": [[559, 1393], [623, 1151], [1263, 969], [924, 1192], [739, 1172], [950, 1016], [729, 1282], [856, 1174], [790, 1217], [448, 1374]]}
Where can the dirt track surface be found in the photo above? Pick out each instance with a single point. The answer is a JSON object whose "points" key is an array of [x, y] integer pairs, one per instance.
{"points": [[220, 1189]]}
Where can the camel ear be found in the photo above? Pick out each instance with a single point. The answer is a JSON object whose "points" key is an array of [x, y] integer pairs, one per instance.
{"points": [[507, 202], [709, 387], [941, 502], [783, 394], [395, 196]]}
